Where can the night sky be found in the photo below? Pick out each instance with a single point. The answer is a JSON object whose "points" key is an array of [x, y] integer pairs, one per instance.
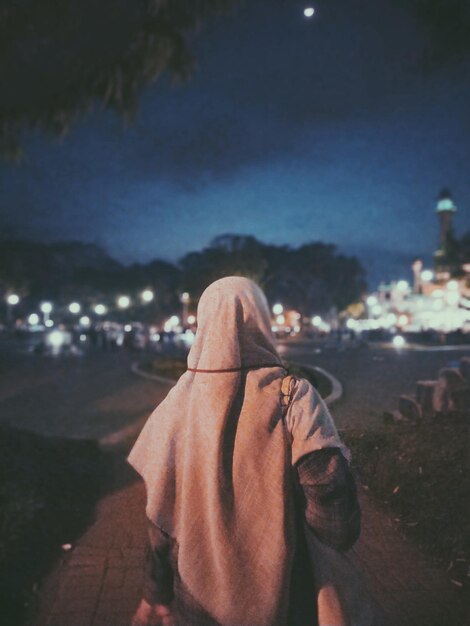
{"points": [[292, 129]]}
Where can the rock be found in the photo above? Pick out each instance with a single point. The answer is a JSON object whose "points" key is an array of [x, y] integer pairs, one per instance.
{"points": [[409, 408], [450, 381], [425, 390], [460, 400], [394, 417], [464, 369], [452, 378]]}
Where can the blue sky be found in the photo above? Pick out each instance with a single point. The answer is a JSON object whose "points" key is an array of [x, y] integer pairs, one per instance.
{"points": [[292, 130]]}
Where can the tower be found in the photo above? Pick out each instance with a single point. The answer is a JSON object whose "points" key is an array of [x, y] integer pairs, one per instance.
{"points": [[445, 209], [444, 257]]}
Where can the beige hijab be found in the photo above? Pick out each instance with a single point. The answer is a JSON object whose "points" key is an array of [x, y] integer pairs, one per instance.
{"points": [[216, 461]]}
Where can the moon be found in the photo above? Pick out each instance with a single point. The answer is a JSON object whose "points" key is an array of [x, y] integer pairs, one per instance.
{"points": [[309, 12]]}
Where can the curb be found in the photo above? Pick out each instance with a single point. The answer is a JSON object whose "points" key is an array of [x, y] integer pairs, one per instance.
{"points": [[416, 347], [143, 374], [336, 386]]}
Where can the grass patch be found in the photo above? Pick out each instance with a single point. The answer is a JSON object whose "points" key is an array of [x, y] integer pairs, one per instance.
{"points": [[176, 367], [48, 492], [166, 367], [321, 383], [420, 473]]}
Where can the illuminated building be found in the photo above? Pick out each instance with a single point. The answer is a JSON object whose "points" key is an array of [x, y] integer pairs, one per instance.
{"points": [[437, 300]]}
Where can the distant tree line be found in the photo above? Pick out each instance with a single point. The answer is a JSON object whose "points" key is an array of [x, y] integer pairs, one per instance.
{"points": [[313, 278]]}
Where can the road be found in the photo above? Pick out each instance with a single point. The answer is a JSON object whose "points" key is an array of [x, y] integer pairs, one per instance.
{"points": [[372, 377], [96, 394], [92, 395]]}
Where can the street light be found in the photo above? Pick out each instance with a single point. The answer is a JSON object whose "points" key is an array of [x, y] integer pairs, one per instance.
{"points": [[399, 341], [33, 319], [171, 323], [100, 309], [147, 295], [123, 302], [74, 308], [13, 299], [46, 309], [185, 298], [278, 309]]}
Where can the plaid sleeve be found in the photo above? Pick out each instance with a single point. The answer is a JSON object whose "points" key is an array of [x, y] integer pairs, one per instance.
{"points": [[330, 498], [158, 585]]}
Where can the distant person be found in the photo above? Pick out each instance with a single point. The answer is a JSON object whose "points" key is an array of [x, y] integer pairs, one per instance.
{"points": [[232, 477]]}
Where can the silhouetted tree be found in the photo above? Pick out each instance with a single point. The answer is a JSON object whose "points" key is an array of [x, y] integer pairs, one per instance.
{"points": [[227, 255], [312, 278], [58, 59], [446, 24]]}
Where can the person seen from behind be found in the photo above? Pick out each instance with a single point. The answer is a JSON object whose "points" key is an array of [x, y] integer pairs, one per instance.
{"points": [[240, 463]]}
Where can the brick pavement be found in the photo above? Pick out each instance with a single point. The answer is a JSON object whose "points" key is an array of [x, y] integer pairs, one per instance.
{"points": [[99, 581]]}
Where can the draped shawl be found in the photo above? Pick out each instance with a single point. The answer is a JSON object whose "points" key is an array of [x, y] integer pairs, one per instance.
{"points": [[216, 461]]}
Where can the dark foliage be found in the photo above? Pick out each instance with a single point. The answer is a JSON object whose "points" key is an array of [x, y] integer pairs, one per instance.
{"points": [[70, 271], [311, 279], [48, 492], [58, 59], [447, 24], [421, 474]]}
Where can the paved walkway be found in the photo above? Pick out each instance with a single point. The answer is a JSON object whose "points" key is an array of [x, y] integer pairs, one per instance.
{"points": [[99, 581]]}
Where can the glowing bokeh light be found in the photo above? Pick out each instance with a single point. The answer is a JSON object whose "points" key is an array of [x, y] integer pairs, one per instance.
{"points": [[147, 295], [427, 275], [123, 302], [100, 309], [56, 338], [399, 341], [13, 299]]}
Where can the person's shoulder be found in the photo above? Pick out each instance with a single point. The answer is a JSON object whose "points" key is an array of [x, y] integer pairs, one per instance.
{"points": [[305, 402], [303, 390]]}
